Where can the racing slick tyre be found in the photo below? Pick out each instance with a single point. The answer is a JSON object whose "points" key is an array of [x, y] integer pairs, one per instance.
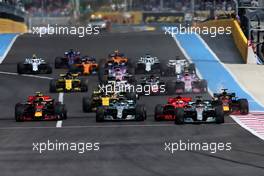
{"points": [[219, 115], [203, 86], [100, 114], [141, 113], [58, 62], [130, 63], [60, 111], [131, 96], [180, 87], [156, 68], [101, 75], [163, 69], [87, 104], [131, 70], [192, 68], [170, 87], [20, 68], [45, 68], [243, 106], [84, 85], [53, 86], [19, 112], [140, 69], [179, 116], [49, 69], [158, 112]]}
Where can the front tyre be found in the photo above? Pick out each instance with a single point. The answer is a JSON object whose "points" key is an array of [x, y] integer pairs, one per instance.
{"points": [[219, 115], [20, 68], [158, 112], [179, 116], [19, 112], [100, 114]]}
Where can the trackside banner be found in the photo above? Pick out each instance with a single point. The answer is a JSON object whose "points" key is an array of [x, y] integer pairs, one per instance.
{"points": [[163, 17]]}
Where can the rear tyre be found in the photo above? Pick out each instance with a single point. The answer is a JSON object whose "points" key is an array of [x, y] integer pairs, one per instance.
{"points": [[60, 111], [131, 96], [86, 104], [53, 86], [170, 87], [100, 114], [243, 106], [192, 68], [163, 69], [158, 112], [49, 69], [179, 116], [141, 114], [101, 75], [58, 62], [140, 69], [20, 68], [219, 115], [84, 85], [203, 86]]}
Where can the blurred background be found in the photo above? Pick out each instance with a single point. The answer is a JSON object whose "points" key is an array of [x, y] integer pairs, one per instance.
{"points": [[138, 14]]}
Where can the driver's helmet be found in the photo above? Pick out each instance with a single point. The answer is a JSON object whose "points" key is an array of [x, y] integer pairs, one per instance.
{"points": [[199, 101], [186, 73], [39, 94], [34, 56], [116, 52], [39, 100], [152, 77], [68, 75]]}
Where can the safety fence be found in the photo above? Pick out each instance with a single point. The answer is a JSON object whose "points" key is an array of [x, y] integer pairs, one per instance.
{"points": [[237, 33]]}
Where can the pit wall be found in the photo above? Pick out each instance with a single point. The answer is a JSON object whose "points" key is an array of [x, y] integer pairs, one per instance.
{"points": [[237, 33], [10, 26]]}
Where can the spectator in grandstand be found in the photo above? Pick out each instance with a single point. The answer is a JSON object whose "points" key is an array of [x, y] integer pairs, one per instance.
{"points": [[254, 3]]}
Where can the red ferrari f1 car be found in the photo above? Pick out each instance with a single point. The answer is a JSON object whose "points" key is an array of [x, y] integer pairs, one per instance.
{"points": [[167, 111], [40, 107]]}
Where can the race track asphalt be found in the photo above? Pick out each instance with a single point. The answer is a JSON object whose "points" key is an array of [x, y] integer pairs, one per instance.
{"points": [[126, 148]]}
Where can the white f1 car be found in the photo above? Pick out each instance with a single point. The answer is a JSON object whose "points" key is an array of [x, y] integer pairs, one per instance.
{"points": [[148, 64], [177, 67], [34, 65]]}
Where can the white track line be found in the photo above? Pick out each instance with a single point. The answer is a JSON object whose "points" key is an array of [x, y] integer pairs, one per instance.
{"points": [[8, 48], [31, 76], [59, 122], [104, 126]]}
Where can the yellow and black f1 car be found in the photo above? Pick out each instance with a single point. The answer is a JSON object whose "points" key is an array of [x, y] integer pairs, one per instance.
{"points": [[68, 83]]}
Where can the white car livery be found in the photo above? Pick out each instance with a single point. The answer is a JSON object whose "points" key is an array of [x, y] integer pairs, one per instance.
{"points": [[148, 64], [34, 65]]}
